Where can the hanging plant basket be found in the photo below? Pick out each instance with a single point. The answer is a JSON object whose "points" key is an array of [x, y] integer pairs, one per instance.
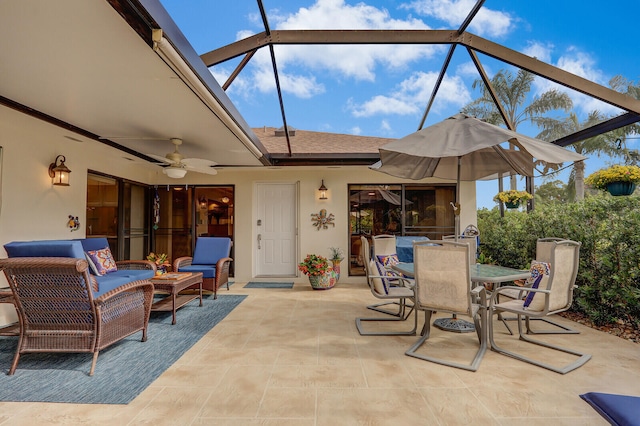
{"points": [[621, 188], [512, 198], [512, 204], [617, 180]]}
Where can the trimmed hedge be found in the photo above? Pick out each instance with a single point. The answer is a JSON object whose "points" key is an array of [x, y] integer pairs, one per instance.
{"points": [[609, 228]]}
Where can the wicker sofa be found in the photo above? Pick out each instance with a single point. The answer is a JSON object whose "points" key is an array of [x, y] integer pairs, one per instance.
{"points": [[127, 270], [62, 307]]}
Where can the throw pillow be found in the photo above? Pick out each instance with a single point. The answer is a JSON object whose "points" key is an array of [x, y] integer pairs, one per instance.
{"points": [[540, 272], [388, 259], [103, 260], [387, 282], [92, 266]]}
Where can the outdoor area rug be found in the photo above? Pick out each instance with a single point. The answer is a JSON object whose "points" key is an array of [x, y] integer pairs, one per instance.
{"points": [[264, 284], [123, 370]]}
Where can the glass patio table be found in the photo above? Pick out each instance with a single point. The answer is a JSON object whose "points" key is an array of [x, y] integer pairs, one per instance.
{"points": [[479, 273]]}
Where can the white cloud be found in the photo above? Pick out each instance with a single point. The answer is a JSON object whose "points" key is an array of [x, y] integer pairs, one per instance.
{"points": [[468, 69], [299, 86], [384, 105], [411, 96], [538, 50], [354, 61], [385, 127], [358, 62], [453, 12], [583, 65], [356, 130]]}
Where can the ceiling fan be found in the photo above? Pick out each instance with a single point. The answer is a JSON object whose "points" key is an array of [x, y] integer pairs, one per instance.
{"points": [[178, 165]]}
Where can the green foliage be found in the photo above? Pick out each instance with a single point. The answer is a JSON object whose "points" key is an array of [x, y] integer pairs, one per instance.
{"points": [[609, 274], [554, 191]]}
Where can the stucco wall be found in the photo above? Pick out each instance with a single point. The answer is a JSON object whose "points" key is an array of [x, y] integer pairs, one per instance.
{"points": [[32, 208], [311, 240]]}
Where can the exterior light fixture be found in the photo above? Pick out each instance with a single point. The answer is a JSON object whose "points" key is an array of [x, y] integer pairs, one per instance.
{"points": [[323, 191], [58, 172]]}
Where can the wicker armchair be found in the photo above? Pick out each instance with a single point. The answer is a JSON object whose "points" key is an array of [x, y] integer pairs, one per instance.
{"points": [[57, 310], [211, 257]]}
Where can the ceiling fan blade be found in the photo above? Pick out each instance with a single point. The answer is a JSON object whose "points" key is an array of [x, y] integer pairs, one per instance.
{"points": [[205, 170], [198, 162], [160, 158]]}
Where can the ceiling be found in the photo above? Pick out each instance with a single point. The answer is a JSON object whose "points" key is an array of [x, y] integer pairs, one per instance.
{"points": [[90, 66], [79, 64]]}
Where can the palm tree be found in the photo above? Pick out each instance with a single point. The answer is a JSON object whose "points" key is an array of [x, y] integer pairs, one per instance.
{"points": [[632, 89], [598, 145], [610, 144], [513, 94]]}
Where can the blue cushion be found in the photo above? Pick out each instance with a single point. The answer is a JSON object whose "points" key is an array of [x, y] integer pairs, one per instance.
{"points": [[133, 274], [620, 410], [45, 248], [208, 271], [211, 249], [120, 277], [94, 243]]}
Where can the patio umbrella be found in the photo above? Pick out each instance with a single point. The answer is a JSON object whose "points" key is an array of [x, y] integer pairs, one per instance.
{"points": [[466, 149]]}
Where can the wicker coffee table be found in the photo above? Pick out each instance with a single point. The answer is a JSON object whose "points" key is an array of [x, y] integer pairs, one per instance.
{"points": [[173, 284]]}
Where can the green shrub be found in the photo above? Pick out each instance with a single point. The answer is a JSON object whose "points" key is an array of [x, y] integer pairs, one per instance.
{"points": [[609, 229]]}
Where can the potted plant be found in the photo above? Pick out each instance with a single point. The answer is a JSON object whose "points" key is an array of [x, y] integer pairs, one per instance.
{"points": [[161, 261], [335, 258], [618, 179], [512, 198], [321, 275]]}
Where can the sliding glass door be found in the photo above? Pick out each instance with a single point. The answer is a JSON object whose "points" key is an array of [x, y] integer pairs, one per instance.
{"points": [[188, 213], [413, 210], [118, 211]]}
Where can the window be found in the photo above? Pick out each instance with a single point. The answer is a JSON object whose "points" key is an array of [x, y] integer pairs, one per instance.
{"points": [[400, 209]]}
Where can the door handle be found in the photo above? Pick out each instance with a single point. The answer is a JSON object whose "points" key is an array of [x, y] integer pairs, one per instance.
{"points": [[259, 239]]}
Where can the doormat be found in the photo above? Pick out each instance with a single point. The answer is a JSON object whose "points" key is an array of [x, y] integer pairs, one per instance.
{"points": [[264, 284], [123, 370]]}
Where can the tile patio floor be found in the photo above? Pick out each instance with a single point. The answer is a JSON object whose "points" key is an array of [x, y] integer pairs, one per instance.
{"points": [[294, 357]]}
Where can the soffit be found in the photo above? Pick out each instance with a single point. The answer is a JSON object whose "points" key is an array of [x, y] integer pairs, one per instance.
{"points": [[79, 62]]}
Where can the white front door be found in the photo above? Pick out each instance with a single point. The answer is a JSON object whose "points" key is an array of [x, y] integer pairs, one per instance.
{"points": [[276, 229]]}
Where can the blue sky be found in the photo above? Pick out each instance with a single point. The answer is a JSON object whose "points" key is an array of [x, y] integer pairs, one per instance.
{"points": [[383, 90]]}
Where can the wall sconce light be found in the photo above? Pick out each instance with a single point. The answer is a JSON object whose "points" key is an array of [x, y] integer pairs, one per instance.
{"points": [[323, 191], [225, 200], [59, 173]]}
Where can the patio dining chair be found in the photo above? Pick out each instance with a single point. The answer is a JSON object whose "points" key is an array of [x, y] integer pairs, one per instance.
{"points": [[389, 288], [443, 284], [544, 253], [384, 245], [365, 254], [551, 293]]}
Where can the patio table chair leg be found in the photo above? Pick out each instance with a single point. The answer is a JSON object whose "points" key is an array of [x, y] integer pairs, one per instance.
{"points": [[399, 318]]}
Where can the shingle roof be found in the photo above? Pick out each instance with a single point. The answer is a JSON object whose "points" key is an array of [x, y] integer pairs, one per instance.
{"points": [[308, 142]]}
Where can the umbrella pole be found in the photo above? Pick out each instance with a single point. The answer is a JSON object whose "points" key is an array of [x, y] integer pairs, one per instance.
{"points": [[454, 324], [457, 206]]}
